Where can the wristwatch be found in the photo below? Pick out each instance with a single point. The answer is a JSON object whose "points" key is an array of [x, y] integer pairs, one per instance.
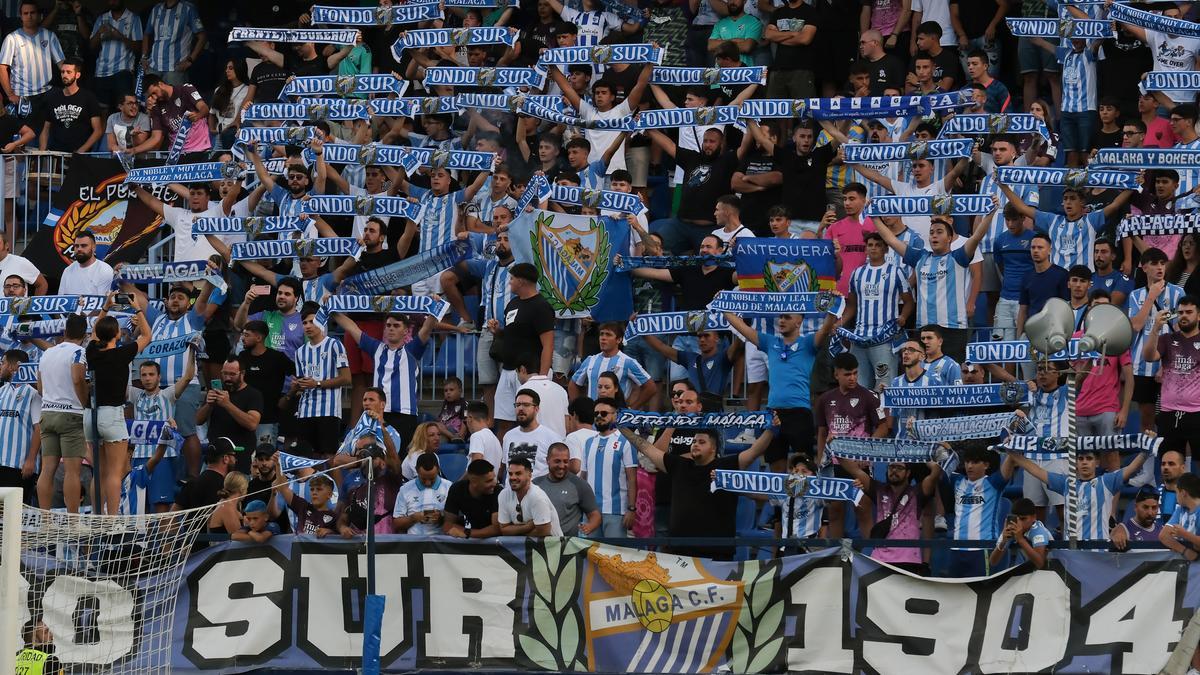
{"points": [[633, 509]]}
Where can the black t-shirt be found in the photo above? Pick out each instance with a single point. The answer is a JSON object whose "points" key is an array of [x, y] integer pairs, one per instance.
{"points": [[946, 64], [705, 180], [475, 510], [10, 126], [755, 204], [524, 322], [221, 423], [201, 490], [887, 72], [697, 511], [266, 374], [70, 118], [698, 288], [318, 65], [679, 445], [793, 19], [537, 37], [1106, 139], [111, 367], [975, 15], [804, 178], [268, 80]]}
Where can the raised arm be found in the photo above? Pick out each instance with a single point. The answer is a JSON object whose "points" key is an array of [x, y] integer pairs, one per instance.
{"points": [[742, 327], [569, 93], [1031, 467], [757, 449], [1015, 199], [634, 98], [646, 448], [892, 240], [149, 200]]}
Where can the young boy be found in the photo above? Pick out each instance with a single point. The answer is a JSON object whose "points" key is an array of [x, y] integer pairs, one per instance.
{"points": [[313, 515], [1142, 306], [452, 419], [257, 527], [807, 517], [1024, 535], [152, 402]]}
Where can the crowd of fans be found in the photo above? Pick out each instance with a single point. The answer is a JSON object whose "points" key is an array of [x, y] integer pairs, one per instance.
{"points": [[544, 454]]}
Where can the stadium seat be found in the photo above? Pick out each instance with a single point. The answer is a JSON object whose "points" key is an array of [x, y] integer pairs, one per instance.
{"points": [[747, 516], [453, 466]]}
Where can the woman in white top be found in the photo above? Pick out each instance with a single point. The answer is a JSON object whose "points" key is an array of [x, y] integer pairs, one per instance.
{"points": [[226, 110]]}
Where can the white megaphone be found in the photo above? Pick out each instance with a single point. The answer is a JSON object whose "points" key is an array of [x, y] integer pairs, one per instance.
{"points": [[1106, 329], [1050, 329]]}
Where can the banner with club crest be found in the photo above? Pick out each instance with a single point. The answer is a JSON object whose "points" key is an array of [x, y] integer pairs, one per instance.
{"points": [[572, 605], [785, 265]]}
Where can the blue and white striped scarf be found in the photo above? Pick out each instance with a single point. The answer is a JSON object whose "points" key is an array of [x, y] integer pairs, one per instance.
{"points": [[412, 12], [1152, 21], [169, 273], [186, 173], [454, 37], [785, 485], [638, 419], [948, 429], [678, 77], [1076, 178], [950, 148], [1167, 223], [772, 304], [388, 304], [1167, 80], [293, 463], [1147, 158], [1060, 28], [325, 36], [674, 262], [941, 205], [296, 248], [344, 85], [408, 271], [880, 335], [252, 226], [602, 54], [365, 426], [883, 449]]}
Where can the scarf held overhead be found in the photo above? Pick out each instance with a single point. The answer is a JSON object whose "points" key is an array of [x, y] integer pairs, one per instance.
{"points": [[786, 485]]}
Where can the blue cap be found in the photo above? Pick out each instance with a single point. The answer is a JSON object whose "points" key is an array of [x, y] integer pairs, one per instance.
{"points": [[256, 506]]}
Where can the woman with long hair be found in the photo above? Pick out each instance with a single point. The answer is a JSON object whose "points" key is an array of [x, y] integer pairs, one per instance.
{"points": [[1042, 152], [227, 519], [1183, 264], [609, 386], [226, 110], [109, 361], [426, 438]]}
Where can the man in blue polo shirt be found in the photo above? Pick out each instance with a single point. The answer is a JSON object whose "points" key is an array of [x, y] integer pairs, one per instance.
{"points": [[790, 358]]}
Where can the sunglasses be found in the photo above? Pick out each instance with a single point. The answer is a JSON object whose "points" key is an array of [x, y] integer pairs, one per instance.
{"points": [[604, 413], [676, 393]]}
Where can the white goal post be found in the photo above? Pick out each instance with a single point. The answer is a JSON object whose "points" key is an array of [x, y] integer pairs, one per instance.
{"points": [[10, 574]]}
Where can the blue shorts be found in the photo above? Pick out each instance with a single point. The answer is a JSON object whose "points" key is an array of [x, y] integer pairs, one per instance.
{"points": [[160, 489], [1075, 130], [185, 409], [1033, 58]]}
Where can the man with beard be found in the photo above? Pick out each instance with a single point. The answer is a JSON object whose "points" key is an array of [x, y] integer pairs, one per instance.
{"points": [[707, 176], [898, 507], [363, 368], [913, 374], [396, 366], [1179, 398], [73, 121], [262, 478], [471, 505], [1143, 525], [697, 511], [524, 508], [289, 200], [88, 275], [177, 320], [494, 295], [571, 495], [286, 332], [266, 370], [232, 411], [529, 440], [610, 468], [321, 372], [168, 106]]}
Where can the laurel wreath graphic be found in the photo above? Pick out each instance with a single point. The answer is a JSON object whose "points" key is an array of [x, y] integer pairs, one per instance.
{"points": [[757, 638], [554, 638], [589, 294]]}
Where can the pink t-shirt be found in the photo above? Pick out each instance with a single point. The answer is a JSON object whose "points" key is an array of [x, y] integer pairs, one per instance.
{"points": [[906, 524], [1159, 134], [849, 233], [1180, 372], [1101, 391]]}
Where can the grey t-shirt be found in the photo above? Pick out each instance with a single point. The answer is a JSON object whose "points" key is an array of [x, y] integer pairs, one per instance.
{"points": [[572, 497], [121, 126]]}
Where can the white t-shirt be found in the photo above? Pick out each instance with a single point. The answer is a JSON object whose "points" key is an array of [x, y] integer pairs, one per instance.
{"points": [[181, 221], [939, 11], [576, 439], [532, 445], [918, 224], [58, 384], [601, 140], [15, 264], [1174, 53], [552, 411], [536, 507], [95, 279], [485, 443], [727, 237]]}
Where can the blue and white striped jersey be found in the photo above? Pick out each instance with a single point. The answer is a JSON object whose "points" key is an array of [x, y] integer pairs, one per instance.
{"points": [[436, 217], [1028, 194], [159, 406], [316, 288], [903, 415], [115, 55], [174, 30], [893, 170], [320, 361], [1071, 241], [975, 504], [31, 60], [285, 203], [1167, 300], [494, 293], [1185, 518], [396, 371], [20, 409], [415, 497], [593, 26], [1049, 413], [605, 459], [877, 292], [594, 176], [163, 327], [1078, 80], [1094, 501], [944, 370], [487, 203], [806, 516], [941, 287], [629, 372]]}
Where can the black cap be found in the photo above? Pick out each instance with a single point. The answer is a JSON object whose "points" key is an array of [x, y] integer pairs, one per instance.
{"points": [[221, 447], [264, 450], [300, 448]]}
